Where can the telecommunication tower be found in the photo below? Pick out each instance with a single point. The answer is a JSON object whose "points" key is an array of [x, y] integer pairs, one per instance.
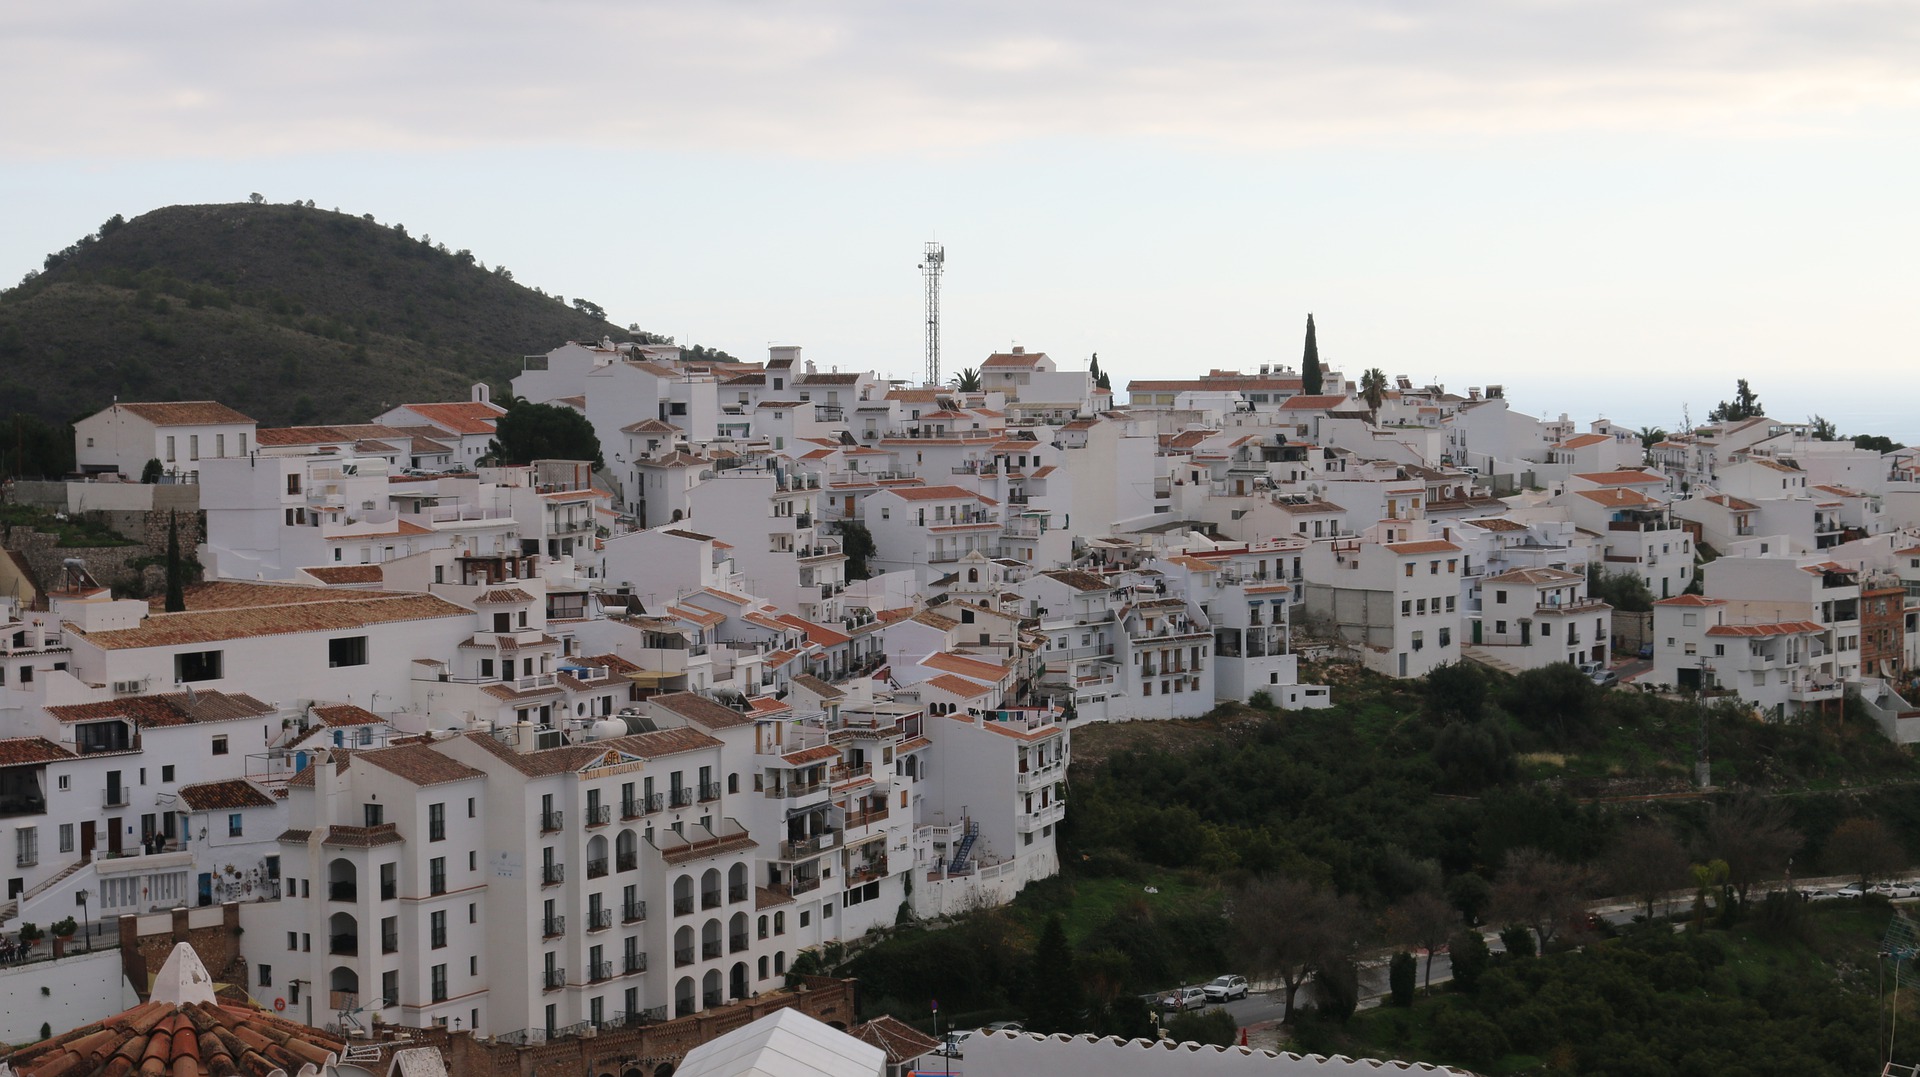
{"points": [[932, 263]]}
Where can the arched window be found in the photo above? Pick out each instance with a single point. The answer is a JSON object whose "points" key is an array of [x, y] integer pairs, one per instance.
{"points": [[626, 850], [737, 888]]}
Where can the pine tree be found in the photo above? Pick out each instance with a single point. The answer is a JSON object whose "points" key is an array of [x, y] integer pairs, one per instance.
{"points": [[1055, 997], [1310, 364], [176, 585]]}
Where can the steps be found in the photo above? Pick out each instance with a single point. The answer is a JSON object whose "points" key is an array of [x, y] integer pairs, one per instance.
{"points": [[1471, 653], [964, 850]]}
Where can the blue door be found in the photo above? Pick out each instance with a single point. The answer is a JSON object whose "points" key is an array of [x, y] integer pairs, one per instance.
{"points": [[206, 888]]}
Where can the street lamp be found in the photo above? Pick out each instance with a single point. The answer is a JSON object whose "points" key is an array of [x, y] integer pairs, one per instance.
{"points": [[86, 927]]}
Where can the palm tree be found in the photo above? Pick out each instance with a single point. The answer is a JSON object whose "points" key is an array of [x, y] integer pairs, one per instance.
{"points": [[967, 381], [1373, 388], [1649, 437]]}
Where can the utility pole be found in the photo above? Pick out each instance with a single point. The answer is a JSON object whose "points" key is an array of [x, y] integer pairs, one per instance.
{"points": [[933, 262]]}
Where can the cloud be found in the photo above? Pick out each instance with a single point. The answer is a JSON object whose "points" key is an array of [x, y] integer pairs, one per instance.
{"points": [[225, 78]]}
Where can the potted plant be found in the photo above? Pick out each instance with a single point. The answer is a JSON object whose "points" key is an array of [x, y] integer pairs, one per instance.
{"points": [[30, 935], [63, 932]]}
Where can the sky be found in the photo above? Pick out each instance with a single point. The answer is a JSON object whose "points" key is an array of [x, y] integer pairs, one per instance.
{"points": [[1610, 208]]}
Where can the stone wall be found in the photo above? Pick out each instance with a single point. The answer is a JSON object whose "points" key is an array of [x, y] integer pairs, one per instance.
{"points": [[110, 566], [213, 932]]}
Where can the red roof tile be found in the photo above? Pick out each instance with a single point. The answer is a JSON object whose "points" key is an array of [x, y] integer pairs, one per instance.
{"points": [[186, 413], [230, 795]]}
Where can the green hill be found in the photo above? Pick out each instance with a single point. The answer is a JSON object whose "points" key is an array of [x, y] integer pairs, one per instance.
{"points": [[289, 313]]}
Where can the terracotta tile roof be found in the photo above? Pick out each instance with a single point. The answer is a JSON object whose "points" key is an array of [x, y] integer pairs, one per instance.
{"points": [[820, 634], [237, 594], [1313, 403], [186, 413], [810, 755], [1628, 476], [1013, 359], [817, 686], [1732, 502], [1618, 497], [230, 795], [1689, 600], [1782, 628], [650, 426], [703, 618], [195, 1039], [934, 620], [938, 493], [959, 686], [698, 708], [913, 745], [902, 1042], [1583, 441], [462, 417], [345, 574], [764, 898], [507, 693], [969, 667], [505, 594], [1079, 579], [361, 611], [346, 714], [362, 837], [170, 709], [1534, 575], [1428, 546], [324, 435], [419, 764], [1219, 383], [662, 742], [25, 751]]}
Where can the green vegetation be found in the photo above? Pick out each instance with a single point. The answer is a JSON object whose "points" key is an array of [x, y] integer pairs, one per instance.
{"points": [[83, 530], [529, 432], [270, 308], [1750, 999], [1744, 405], [1310, 377]]}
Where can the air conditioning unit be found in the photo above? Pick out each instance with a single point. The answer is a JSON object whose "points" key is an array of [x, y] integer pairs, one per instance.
{"points": [[125, 688]]}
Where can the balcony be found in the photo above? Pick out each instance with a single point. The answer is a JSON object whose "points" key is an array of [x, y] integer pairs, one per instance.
{"points": [[555, 979], [600, 970], [804, 847], [683, 906], [867, 871], [804, 884], [436, 883], [843, 773], [795, 789], [736, 943], [709, 791], [599, 814], [389, 942], [738, 893], [390, 889], [343, 892], [627, 861], [599, 919], [1042, 817], [550, 821], [711, 999], [597, 868], [710, 899], [553, 874], [633, 912], [634, 963], [553, 927], [710, 949], [344, 944], [630, 808], [858, 819], [115, 798], [681, 798], [683, 957]]}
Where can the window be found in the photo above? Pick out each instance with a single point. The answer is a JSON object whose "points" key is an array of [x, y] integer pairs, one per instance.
{"points": [[266, 976], [293, 941], [193, 446], [347, 651], [198, 666], [437, 930], [436, 822], [234, 827], [437, 875], [66, 837], [373, 814], [66, 782], [390, 987], [170, 452], [439, 983], [1500, 598], [1409, 568], [470, 808], [473, 912], [220, 744]]}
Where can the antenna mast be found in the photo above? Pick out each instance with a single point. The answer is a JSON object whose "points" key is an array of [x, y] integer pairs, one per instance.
{"points": [[932, 263]]}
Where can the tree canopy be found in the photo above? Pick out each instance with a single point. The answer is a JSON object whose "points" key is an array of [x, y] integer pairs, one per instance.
{"points": [[529, 432], [1744, 405], [1310, 376]]}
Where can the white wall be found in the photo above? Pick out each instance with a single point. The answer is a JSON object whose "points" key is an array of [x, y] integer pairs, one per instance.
{"points": [[61, 994]]}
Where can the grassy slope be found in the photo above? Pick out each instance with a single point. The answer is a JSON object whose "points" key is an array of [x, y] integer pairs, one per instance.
{"points": [[262, 305]]}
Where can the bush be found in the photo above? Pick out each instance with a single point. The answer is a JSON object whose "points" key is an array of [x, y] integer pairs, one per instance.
{"points": [[1215, 1026], [1465, 1036], [1402, 976], [1470, 958], [1262, 699]]}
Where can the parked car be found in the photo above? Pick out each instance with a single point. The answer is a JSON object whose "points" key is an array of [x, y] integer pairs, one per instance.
{"points": [[1849, 892], [1645, 651], [1814, 893], [1226, 988], [1605, 678], [955, 1043], [1184, 998], [1006, 1026]]}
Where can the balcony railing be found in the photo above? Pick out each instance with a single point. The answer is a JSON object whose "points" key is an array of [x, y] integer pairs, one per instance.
{"points": [[865, 818], [683, 905], [799, 847], [599, 919], [550, 821], [553, 927], [115, 798], [600, 970], [738, 892], [709, 791], [682, 797], [389, 942], [805, 883], [630, 808], [599, 814], [553, 874], [634, 963], [844, 773], [682, 957], [344, 944], [391, 890], [710, 949], [555, 979], [710, 899], [633, 911], [343, 892], [626, 861], [711, 999], [596, 868]]}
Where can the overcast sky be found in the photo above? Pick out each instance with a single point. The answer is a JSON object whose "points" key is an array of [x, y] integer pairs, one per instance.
{"points": [[1613, 208]]}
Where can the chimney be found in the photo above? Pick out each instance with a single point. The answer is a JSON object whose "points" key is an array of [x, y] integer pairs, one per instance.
{"points": [[482, 393], [1019, 350]]}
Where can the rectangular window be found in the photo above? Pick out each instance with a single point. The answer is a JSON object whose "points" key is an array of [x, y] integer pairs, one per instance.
{"points": [[266, 976], [198, 666], [373, 814], [193, 446], [234, 826], [347, 651], [170, 456], [436, 822], [437, 875], [437, 929], [220, 445], [220, 744], [439, 983], [66, 837]]}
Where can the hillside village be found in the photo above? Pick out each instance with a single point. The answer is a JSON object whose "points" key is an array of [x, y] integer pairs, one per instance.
{"points": [[542, 749]]}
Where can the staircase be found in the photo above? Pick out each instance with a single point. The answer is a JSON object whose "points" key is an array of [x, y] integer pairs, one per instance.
{"points": [[12, 908], [1472, 653], [964, 850]]}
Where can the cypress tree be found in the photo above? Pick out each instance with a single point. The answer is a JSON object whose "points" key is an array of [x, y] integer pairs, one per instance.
{"points": [[1310, 364], [1055, 997], [176, 586]]}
